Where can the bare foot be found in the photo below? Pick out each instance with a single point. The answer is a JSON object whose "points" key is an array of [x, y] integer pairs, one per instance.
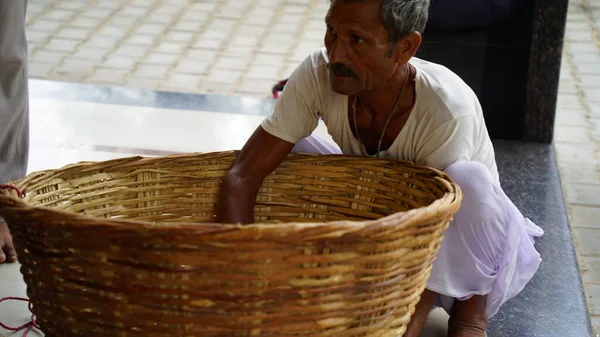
{"points": [[7, 250], [417, 321], [468, 318], [467, 332]]}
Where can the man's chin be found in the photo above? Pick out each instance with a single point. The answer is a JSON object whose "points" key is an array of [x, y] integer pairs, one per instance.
{"points": [[344, 86]]}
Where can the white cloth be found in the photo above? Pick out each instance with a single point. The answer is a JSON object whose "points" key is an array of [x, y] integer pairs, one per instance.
{"points": [[445, 126], [488, 248], [14, 104]]}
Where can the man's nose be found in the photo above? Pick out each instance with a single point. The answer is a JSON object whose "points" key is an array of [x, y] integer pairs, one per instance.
{"points": [[338, 52]]}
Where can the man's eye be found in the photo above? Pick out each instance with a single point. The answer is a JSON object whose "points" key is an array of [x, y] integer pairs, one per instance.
{"points": [[330, 30], [357, 39]]}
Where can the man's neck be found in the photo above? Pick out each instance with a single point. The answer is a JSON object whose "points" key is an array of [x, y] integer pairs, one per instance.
{"points": [[383, 100]]}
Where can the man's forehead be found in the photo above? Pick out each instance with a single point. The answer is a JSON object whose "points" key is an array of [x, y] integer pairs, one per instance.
{"points": [[356, 11], [354, 1]]}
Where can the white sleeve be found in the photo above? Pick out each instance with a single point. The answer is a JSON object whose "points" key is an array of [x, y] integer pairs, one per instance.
{"points": [[451, 142], [295, 115]]}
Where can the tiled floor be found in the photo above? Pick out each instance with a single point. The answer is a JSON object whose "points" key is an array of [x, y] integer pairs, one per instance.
{"points": [[577, 138], [220, 46], [244, 47]]}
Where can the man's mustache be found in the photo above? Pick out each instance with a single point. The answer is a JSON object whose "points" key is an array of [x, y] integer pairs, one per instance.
{"points": [[342, 70]]}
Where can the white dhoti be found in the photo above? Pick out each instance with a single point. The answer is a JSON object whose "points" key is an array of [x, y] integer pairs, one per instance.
{"points": [[488, 248], [14, 95]]}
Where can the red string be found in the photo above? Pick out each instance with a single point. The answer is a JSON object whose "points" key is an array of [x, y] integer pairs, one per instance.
{"points": [[11, 187], [33, 322], [27, 326]]}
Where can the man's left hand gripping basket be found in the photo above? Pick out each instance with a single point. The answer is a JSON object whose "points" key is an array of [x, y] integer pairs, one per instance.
{"points": [[342, 246]]}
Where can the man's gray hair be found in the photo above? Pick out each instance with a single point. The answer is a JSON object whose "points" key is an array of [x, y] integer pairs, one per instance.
{"points": [[401, 17]]}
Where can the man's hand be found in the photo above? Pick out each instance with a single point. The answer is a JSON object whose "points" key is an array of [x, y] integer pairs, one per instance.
{"points": [[7, 250], [257, 159]]}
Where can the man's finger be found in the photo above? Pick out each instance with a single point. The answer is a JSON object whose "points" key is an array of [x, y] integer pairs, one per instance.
{"points": [[10, 192], [10, 252], [7, 249]]}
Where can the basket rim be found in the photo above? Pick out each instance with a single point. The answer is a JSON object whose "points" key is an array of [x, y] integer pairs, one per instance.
{"points": [[449, 201]]}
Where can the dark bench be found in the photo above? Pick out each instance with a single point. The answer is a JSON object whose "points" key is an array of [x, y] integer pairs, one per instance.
{"points": [[553, 303], [514, 68]]}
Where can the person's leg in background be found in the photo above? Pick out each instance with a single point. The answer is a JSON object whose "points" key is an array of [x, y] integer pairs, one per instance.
{"points": [[14, 105]]}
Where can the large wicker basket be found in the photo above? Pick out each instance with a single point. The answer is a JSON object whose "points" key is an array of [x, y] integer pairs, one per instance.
{"points": [[342, 246]]}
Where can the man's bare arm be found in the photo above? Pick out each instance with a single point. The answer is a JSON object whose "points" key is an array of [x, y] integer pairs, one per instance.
{"points": [[258, 158]]}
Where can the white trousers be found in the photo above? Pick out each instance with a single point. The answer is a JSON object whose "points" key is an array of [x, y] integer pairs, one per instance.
{"points": [[14, 93]]}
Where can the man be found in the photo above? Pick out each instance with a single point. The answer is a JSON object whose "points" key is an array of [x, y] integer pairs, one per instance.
{"points": [[378, 100], [14, 105]]}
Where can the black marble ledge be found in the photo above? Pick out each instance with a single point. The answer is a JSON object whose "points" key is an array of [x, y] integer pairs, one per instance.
{"points": [[549, 21], [513, 66], [553, 303]]}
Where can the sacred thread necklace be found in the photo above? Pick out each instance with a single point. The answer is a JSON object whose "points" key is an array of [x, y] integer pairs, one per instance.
{"points": [[364, 148]]}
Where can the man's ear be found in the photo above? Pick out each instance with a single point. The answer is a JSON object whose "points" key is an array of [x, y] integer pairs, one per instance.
{"points": [[407, 47]]}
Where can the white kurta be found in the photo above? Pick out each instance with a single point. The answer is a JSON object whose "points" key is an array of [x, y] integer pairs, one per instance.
{"points": [[445, 125]]}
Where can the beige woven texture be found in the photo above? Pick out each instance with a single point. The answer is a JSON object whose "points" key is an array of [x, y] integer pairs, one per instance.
{"points": [[342, 246]]}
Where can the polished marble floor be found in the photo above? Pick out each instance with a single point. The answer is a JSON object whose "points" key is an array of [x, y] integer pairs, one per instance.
{"points": [[103, 124]]}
